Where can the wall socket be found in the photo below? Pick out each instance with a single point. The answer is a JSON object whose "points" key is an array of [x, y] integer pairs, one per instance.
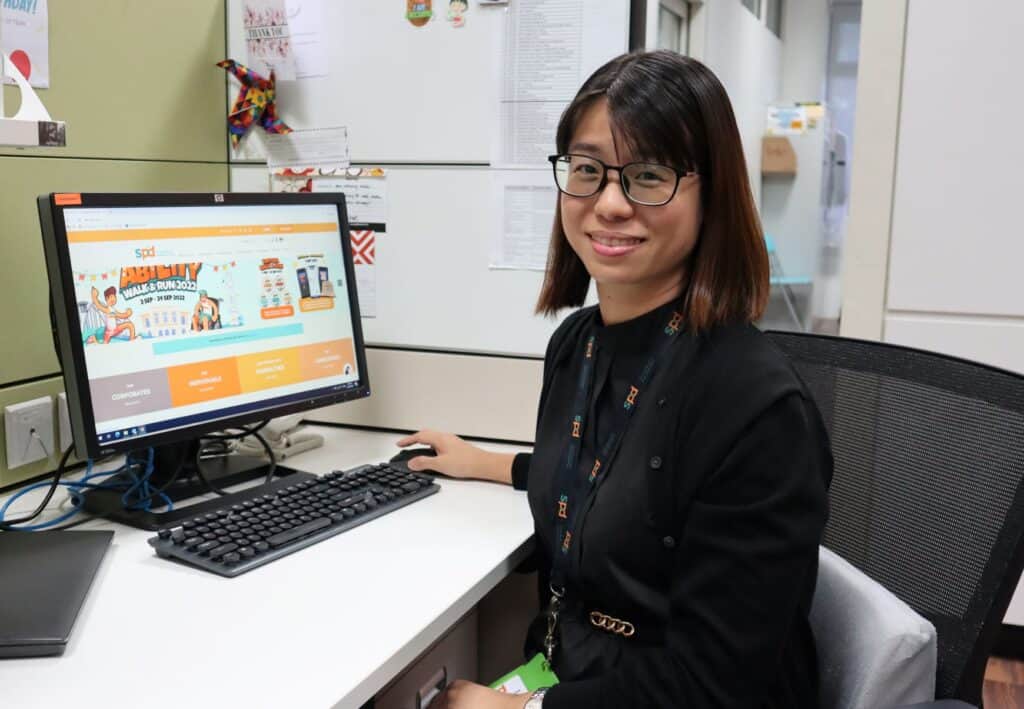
{"points": [[28, 427]]}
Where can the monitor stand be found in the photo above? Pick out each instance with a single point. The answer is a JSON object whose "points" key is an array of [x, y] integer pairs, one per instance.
{"points": [[221, 472]]}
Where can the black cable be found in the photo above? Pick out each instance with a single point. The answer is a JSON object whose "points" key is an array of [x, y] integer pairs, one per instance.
{"points": [[199, 473], [6, 525], [270, 454], [272, 466]]}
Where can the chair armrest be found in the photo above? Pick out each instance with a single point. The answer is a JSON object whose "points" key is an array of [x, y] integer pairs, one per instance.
{"points": [[940, 704]]}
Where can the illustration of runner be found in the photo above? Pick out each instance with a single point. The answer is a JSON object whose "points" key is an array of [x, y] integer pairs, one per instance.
{"points": [[116, 322], [206, 314]]}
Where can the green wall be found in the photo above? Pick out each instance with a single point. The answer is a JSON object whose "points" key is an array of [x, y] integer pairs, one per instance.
{"points": [[145, 111]]}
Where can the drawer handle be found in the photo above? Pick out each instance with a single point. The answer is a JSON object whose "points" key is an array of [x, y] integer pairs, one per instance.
{"points": [[434, 686]]}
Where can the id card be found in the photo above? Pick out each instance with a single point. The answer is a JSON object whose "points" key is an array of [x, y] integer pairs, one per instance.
{"points": [[526, 678]]}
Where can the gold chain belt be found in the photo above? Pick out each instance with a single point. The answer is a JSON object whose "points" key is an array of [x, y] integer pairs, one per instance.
{"points": [[612, 625]]}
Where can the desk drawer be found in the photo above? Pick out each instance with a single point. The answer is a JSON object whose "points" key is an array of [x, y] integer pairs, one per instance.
{"points": [[453, 657]]}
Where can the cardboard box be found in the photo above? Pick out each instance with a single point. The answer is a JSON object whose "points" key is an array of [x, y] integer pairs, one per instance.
{"points": [[777, 156]]}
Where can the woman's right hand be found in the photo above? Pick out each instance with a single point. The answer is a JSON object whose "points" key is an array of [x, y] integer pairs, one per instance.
{"points": [[457, 458]]}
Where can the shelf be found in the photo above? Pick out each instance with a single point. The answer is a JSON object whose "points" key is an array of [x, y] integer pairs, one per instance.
{"points": [[19, 133]]}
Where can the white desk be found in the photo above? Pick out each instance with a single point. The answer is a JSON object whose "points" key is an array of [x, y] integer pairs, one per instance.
{"points": [[327, 626]]}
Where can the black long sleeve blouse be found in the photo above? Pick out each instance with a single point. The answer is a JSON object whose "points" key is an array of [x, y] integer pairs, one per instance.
{"points": [[703, 534]]}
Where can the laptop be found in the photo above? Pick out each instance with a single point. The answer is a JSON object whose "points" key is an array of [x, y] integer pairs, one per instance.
{"points": [[45, 578]]}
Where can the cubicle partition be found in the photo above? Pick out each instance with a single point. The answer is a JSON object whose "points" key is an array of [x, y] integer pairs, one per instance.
{"points": [[432, 106]]}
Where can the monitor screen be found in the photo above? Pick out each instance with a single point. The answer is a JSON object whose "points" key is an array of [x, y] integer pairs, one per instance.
{"points": [[183, 314]]}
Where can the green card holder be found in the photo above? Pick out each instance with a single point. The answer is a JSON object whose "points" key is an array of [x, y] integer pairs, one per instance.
{"points": [[526, 678]]}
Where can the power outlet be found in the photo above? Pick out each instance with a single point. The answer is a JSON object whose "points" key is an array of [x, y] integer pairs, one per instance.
{"points": [[64, 422], [28, 427]]}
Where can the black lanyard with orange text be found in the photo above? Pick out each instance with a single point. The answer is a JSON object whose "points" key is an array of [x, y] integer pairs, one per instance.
{"points": [[574, 489]]}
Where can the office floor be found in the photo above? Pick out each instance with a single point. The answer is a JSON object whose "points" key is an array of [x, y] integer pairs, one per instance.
{"points": [[1004, 684]]}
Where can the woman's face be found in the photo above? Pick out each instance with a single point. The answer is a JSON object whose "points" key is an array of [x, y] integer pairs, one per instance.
{"points": [[623, 244]]}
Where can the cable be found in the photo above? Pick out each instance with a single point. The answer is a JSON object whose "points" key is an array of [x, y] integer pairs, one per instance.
{"points": [[75, 488], [271, 466], [202, 478], [159, 492], [8, 525], [270, 454]]}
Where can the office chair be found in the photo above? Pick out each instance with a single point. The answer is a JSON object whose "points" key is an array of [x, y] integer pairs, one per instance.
{"points": [[927, 496]]}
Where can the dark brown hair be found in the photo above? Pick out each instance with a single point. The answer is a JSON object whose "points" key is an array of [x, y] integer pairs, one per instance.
{"points": [[667, 107]]}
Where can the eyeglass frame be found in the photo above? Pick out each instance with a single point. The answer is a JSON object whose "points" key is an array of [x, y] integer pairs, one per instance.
{"points": [[680, 174]]}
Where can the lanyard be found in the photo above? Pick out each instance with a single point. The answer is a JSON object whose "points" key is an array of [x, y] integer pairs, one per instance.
{"points": [[575, 490]]}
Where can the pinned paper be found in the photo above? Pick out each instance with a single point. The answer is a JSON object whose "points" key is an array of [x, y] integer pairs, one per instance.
{"points": [[364, 259], [267, 38], [307, 29], [255, 102], [364, 243], [457, 12], [26, 38], [366, 198], [309, 152], [792, 119], [418, 12]]}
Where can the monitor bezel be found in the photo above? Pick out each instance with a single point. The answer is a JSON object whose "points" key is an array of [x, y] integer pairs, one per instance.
{"points": [[68, 335]]}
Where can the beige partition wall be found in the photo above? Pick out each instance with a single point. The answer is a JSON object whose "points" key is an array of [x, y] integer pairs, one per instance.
{"points": [[933, 248], [144, 106]]}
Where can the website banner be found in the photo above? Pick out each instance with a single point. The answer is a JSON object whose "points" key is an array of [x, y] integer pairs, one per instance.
{"points": [[179, 319]]}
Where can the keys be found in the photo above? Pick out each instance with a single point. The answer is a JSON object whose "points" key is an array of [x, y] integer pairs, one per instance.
{"points": [[220, 551], [300, 531]]}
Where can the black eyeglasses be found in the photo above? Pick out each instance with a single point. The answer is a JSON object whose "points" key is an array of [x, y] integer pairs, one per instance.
{"points": [[646, 183]]}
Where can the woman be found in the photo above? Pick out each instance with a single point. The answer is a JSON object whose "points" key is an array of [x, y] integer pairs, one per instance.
{"points": [[679, 479]]}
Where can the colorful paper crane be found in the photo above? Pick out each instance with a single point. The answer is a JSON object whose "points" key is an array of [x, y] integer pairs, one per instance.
{"points": [[255, 102]]}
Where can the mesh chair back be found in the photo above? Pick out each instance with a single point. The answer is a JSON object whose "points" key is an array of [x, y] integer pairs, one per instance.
{"points": [[927, 495]]}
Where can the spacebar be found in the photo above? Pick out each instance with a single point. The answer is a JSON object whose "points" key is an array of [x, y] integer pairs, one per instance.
{"points": [[300, 531]]}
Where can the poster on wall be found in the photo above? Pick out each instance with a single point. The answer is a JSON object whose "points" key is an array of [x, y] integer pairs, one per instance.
{"points": [[25, 38]]}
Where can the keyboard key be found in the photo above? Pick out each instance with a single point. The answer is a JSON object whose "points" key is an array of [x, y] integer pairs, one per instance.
{"points": [[247, 552], [220, 551], [231, 558], [206, 546], [261, 546], [298, 532]]}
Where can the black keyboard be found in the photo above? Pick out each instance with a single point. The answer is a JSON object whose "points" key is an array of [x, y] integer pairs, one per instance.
{"points": [[256, 526]]}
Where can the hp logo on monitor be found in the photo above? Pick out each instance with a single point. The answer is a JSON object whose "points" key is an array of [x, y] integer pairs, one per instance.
{"points": [[218, 198]]}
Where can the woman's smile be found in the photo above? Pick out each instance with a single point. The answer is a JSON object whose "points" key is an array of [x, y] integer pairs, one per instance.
{"points": [[613, 244]]}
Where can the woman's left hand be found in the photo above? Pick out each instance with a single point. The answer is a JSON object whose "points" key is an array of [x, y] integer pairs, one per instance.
{"points": [[461, 694]]}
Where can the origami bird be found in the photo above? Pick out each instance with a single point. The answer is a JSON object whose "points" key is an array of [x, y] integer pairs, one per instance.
{"points": [[255, 102]]}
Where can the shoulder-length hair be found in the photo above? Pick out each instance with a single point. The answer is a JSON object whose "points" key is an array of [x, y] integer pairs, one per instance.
{"points": [[667, 107]]}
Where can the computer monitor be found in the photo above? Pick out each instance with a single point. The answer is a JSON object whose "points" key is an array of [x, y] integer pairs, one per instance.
{"points": [[176, 315]]}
